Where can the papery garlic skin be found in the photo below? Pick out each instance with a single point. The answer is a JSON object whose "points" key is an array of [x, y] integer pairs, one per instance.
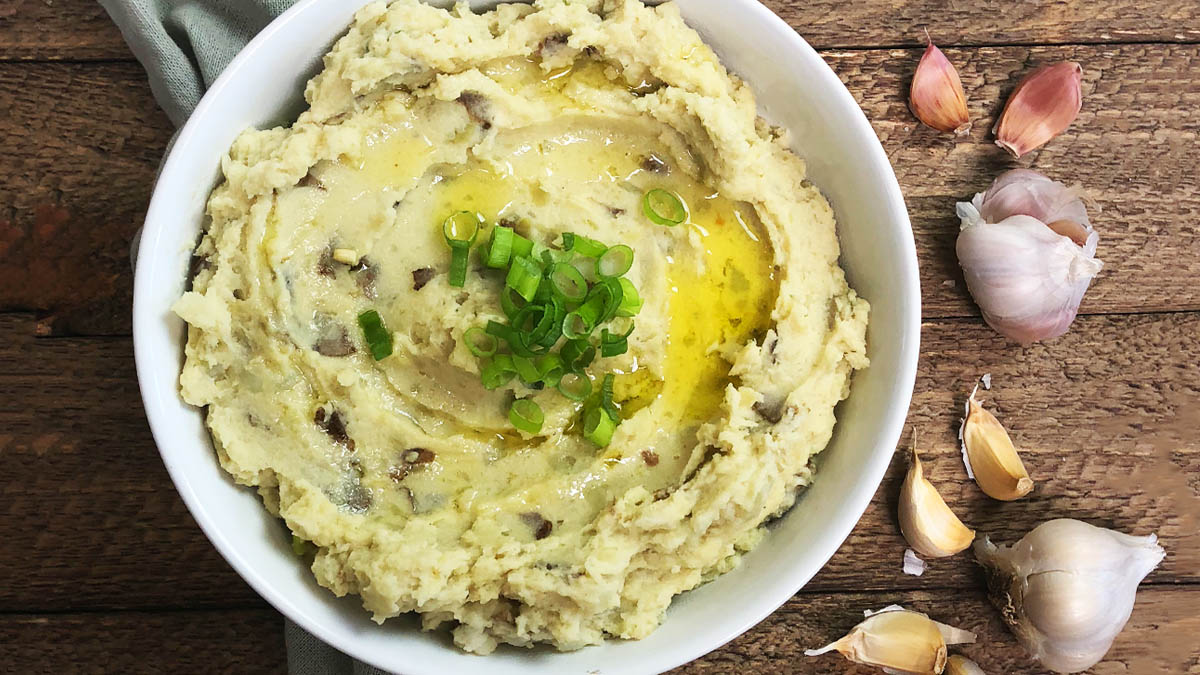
{"points": [[1067, 588], [936, 95], [1042, 106], [1026, 277]]}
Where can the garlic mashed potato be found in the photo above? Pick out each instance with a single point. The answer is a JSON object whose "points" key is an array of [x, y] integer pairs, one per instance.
{"points": [[405, 473]]}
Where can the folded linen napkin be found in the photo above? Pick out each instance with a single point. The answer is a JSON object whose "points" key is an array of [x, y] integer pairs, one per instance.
{"points": [[184, 45]]}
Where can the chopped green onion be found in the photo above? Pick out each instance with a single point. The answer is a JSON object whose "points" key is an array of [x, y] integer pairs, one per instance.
{"points": [[575, 386], [606, 395], [302, 547], [550, 369], [615, 261], [526, 415], [500, 248], [582, 245], [631, 302], [497, 372], [577, 354], [568, 282], [607, 295], [663, 207], [479, 342], [528, 372], [379, 340], [521, 246], [509, 335], [524, 277], [598, 426], [509, 304], [613, 344], [458, 266], [461, 228]]}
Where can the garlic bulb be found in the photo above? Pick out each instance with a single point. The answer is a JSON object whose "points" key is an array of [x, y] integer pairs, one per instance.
{"points": [[1067, 588], [898, 640], [1028, 253]]}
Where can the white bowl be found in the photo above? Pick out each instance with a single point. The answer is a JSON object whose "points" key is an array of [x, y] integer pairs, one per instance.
{"points": [[796, 89]]}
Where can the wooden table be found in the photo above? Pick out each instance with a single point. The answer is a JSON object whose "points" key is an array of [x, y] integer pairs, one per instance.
{"points": [[102, 568]]}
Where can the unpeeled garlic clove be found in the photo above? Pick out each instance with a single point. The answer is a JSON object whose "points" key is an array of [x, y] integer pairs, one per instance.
{"points": [[1067, 588], [936, 95], [927, 523], [1040, 108], [898, 640], [1028, 254], [957, 664], [992, 458]]}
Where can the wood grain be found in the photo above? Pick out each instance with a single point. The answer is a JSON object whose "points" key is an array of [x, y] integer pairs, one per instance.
{"points": [[1157, 639], [80, 30], [116, 535], [80, 178], [219, 641]]}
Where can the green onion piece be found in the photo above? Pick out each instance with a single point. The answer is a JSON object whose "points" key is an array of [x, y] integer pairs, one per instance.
{"points": [[509, 335], [575, 386], [302, 547], [631, 302], [578, 325], [461, 228], [524, 277], [608, 294], [555, 312], [500, 248], [521, 246], [497, 372], [567, 282], [583, 245], [577, 354], [612, 344], [598, 426], [544, 327], [511, 305], [526, 415], [458, 266], [550, 369], [479, 342], [606, 395], [379, 340], [615, 261], [528, 372], [663, 207]]}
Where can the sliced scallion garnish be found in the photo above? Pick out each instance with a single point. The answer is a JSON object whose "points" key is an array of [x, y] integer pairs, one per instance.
{"points": [[460, 230], [526, 370], [479, 342], [497, 372], [379, 340], [663, 207], [631, 302], [526, 415], [584, 246], [521, 246], [606, 395], [615, 261], [598, 426], [500, 249], [575, 386], [568, 282], [524, 277]]}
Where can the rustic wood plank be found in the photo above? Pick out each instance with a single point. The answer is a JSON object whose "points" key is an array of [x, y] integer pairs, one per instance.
{"points": [[1121, 453], [1133, 148], [74, 189], [1159, 638], [219, 641], [79, 29], [78, 187]]}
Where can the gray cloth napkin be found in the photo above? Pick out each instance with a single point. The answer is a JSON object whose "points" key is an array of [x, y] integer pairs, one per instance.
{"points": [[184, 45]]}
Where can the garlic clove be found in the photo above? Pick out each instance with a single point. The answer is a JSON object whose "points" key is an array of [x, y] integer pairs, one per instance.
{"points": [[936, 95], [1044, 104], [894, 639], [957, 664], [1026, 279], [928, 524], [993, 458], [1067, 588]]}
